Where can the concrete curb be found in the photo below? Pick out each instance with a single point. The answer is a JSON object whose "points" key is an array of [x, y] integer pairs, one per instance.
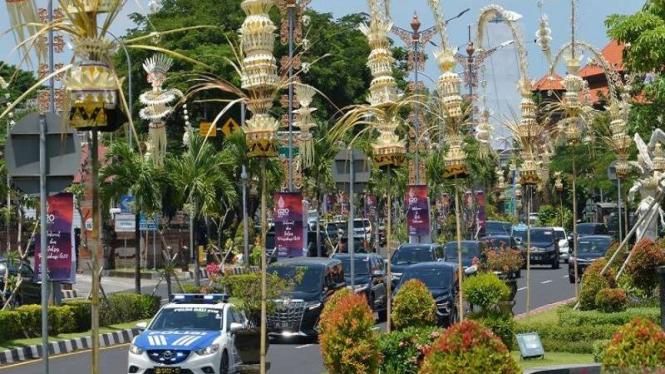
{"points": [[33, 352], [545, 308], [566, 369]]}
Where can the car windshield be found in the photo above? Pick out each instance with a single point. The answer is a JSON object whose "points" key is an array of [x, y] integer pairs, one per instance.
{"points": [[360, 224], [585, 229], [542, 236], [188, 318], [559, 234], [502, 227], [596, 246], [469, 250], [361, 265], [433, 278], [304, 278], [413, 255]]}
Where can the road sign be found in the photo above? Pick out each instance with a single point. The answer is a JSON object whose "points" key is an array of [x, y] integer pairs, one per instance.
{"points": [[612, 171], [230, 126], [88, 224], [63, 154], [148, 224], [207, 129], [341, 169], [125, 202], [125, 222]]}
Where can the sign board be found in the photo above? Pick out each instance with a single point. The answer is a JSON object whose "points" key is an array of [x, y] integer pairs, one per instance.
{"points": [[612, 171], [125, 222], [341, 169], [60, 253], [207, 129], [125, 203], [88, 224], [148, 224], [230, 126]]}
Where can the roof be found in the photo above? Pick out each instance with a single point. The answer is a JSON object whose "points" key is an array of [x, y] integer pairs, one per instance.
{"points": [[356, 255], [550, 82], [417, 246], [432, 264], [305, 261], [219, 305], [613, 54], [596, 237]]}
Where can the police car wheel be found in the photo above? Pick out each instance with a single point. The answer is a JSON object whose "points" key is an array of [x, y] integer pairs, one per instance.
{"points": [[224, 365]]}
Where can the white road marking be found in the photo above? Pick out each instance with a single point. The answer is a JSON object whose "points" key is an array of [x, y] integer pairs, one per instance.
{"points": [[304, 346], [522, 289], [565, 276], [546, 282]]}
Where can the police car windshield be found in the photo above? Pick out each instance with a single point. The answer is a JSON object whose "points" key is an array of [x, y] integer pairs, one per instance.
{"points": [[188, 318]]}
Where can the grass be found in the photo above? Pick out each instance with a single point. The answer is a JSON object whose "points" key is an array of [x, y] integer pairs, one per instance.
{"points": [[549, 316], [36, 341], [553, 359]]}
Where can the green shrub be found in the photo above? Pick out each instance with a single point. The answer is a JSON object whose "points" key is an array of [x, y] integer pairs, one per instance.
{"points": [[647, 257], [469, 347], [599, 350], [10, 328], [191, 288], [403, 351], [413, 306], [569, 317], [127, 307], [502, 324], [611, 300], [640, 344], [485, 290], [348, 342], [60, 320], [82, 310], [593, 282], [571, 339], [247, 288]]}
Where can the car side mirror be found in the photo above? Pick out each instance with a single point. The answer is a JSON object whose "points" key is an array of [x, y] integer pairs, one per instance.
{"points": [[235, 327], [142, 325]]}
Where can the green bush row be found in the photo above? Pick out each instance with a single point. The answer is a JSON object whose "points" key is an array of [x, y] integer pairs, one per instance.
{"points": [[573, 318], [571, 339], [75, 316]]}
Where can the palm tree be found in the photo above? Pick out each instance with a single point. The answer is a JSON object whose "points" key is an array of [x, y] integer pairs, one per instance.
{"points": [[201, 175], [126, 172]]}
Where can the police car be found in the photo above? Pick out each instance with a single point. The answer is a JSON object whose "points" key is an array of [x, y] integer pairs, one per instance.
{"points": [[194, 334]]}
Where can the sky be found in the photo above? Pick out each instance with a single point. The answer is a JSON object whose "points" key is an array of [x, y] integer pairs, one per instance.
{"points": [[501, 72]]}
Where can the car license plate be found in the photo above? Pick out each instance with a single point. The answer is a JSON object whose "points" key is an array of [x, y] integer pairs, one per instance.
{"points": [[167, 370], [537, 258]]}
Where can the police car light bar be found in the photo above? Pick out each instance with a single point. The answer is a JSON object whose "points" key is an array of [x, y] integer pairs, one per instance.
{"points": [[188, 298]]}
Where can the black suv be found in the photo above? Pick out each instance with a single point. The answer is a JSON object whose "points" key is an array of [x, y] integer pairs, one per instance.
{"points": [[409, 254], [297, 312], [590, 248], [30, 292], [544, 247], [441, 280], [369, 279], [497, 228], [470, 249]]}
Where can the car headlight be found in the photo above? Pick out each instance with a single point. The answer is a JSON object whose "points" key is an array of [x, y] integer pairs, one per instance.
{"points": [[314, 305], [396, 276], [135, 349], [359, 287], [443, 305], [210, 350]]}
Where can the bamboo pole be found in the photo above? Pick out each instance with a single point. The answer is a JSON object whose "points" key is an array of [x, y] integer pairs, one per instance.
{"points": [[264, 230], [390, 274], [460, 271]]}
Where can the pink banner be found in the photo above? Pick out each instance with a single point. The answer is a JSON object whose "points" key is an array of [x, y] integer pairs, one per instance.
{"points": [[417, 210], [480, 202], [61, 256], [288, 218]]}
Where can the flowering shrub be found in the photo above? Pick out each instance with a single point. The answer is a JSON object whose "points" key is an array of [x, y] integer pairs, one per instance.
{"points": [[413, 306], [593, 282], [348, 343], [469, 347], [502, 324], [647, 256], [404, 351], [331, 304], [484, 290], [504, 260], [214, 271], [610, 300], [639, 346]]}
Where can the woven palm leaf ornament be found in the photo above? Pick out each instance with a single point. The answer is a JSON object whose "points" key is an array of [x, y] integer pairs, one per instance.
{"points": [[305, 122], [157, 103], [24, 21]]}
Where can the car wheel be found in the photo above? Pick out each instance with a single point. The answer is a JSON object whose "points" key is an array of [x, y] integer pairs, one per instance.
{"points": [[371, 302], [571, 278], [556, 264], [224, 364], [519, 273], [565, 261], [383, 315]]}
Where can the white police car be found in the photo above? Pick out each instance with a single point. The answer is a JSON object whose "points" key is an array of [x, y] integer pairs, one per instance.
{"points": [[194, 334]]}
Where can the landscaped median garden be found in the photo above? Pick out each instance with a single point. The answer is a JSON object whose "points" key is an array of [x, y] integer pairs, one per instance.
{"points": [[22, 326]]}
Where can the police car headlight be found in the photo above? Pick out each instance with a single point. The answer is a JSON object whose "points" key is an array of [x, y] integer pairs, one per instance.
{"points": [[134, 349], [210, 350]]}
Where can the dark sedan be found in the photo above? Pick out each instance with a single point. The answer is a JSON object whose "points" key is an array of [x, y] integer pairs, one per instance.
{"points": [[410, 254], [30, 292], [497, 228], [369, 279], [470, 249], [442, 282], [590, 248], [544, 247]]}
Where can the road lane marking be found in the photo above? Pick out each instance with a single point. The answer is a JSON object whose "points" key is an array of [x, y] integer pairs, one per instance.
{"points": [[522, 289], [304, 346], [546, 282], [63, 355], [565, 276]]}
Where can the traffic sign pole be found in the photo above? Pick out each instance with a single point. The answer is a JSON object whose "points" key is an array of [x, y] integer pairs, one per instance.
{"points": [[42, 238]]}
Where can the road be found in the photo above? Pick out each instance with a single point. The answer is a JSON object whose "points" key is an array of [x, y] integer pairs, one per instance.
{"points": [[301, 357]]}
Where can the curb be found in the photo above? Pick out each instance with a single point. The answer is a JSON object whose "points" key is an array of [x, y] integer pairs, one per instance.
{"points": [[545, 308], [69, 294], [33, 352]]}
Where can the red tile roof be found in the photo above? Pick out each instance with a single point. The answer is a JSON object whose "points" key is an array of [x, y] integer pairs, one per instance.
{"points": [[550, 82], [613, 53]]}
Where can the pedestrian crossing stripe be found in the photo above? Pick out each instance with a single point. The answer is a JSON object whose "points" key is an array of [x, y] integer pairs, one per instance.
{"points": [[186, 341], [157, 340]]}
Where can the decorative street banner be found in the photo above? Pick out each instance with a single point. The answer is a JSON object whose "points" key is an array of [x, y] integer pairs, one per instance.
{"points": [[417, 210], [482, 218], [443, 207], [288, 218], [370, 206], [61, 256], [327, 203]]}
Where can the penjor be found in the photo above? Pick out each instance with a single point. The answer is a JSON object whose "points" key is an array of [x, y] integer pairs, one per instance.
{"points": [[157, 105]]}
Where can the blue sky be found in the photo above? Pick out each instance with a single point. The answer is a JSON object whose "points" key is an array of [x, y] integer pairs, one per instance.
{"points": [[501, 71]]}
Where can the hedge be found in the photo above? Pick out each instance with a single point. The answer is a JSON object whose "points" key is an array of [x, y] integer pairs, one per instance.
{"points": [[573, 318], [75, 316], [571, 339]]}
